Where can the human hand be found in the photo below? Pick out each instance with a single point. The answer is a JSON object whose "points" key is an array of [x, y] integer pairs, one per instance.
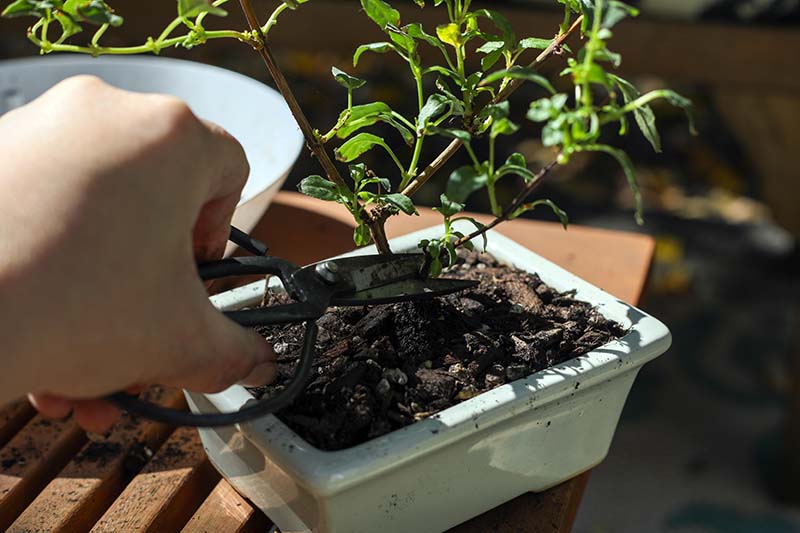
{"points": [[107, 200]]}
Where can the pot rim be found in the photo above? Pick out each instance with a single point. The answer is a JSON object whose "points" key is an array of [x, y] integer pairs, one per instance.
{"points": [[331, 472]]}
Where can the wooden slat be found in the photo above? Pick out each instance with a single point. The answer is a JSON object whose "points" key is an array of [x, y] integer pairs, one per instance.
{"points": [[31, 459], [87, 486], [13, 417], [225, 510], [167, 492]]}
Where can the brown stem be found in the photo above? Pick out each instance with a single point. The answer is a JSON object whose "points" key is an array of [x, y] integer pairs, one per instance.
{"points": [[316, 147], [378, 231], [519, 200], [456, 145], [376, 224]]}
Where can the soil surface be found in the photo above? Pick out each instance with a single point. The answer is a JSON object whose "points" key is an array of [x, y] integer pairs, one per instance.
{"points": [[381, 368]]}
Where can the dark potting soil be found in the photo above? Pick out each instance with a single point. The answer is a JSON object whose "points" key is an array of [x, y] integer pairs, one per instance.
{"points": [[381, 368]]}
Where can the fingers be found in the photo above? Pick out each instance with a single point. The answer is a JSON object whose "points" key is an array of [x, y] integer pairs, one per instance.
{"points": [[212, 227], [94, 416], [230, 162], [51, 406], [223, 355]]}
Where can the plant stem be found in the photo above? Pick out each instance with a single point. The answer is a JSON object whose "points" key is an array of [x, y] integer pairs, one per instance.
{"points": [[317, 148], [519, 200], [412, 167], [177, 21], [151, 46], [456, 145], [375, 223]]}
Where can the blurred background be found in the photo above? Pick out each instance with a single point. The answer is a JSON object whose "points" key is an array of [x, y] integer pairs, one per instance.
{"points": [[710, 438]]}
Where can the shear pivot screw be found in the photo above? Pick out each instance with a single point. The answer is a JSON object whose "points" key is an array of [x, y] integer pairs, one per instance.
{"points": [[328, 271]]}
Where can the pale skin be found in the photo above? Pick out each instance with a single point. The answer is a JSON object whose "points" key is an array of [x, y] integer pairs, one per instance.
{"points": [[107, 201]]}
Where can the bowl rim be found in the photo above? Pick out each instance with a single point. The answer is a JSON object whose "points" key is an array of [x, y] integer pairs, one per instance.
{"points": [[293, 134]]}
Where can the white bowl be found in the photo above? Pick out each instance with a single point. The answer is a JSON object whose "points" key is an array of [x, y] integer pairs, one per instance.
{"points": [[528, 435], [252, 112]]}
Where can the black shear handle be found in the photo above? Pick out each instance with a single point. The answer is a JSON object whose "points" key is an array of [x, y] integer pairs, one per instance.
{"points": [[291, 313], [258, 409]]}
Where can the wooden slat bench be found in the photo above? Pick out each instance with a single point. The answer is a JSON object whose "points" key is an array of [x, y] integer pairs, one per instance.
{"points": [[144, 476]]}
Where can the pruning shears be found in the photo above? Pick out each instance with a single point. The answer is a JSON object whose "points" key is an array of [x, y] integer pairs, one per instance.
{"points": [[345, 282]]}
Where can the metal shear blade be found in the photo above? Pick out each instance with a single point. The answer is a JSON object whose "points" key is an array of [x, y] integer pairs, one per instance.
{"points": [[374, 280], [404, 291]]}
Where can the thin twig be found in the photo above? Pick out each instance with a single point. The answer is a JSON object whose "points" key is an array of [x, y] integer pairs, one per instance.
{"points": [[456, 145], [317, 148], [519, 200]]}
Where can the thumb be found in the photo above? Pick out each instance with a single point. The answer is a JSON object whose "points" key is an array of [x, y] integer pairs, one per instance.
{"points": [[226, 354]]}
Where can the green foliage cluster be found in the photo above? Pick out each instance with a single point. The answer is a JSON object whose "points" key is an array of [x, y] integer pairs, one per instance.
{"points": [[465, 105]]}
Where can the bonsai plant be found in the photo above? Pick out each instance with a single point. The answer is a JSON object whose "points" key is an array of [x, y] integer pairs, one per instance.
{"points": [[508, 334], [472, 109]]}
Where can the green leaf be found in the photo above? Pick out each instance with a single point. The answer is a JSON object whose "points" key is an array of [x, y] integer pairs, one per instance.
{"points": [[378, 48], [479, 226], [515, 165], [503, 126], [27, 8], [552, 135], [497, 111], [381, 13], [491, 59], [535, 43], [95, 12], [451, 133], [616, 12], [402, 202], [627, 167], [320, 188], [560, 213], [541, 110], [678, 101], [357, 172], [384, 183], [358, 146], [491, 46], [361, 235], [435, 106], [193, 8], [645, 118], [362, 116], [450, 34], [402, 39], [418, 32], [607, 55], [452, 255], [69, 26], [346, 80], [434, 251], [517, 159], [463, 182], [520, 73], [502, 24], [449, 208]]}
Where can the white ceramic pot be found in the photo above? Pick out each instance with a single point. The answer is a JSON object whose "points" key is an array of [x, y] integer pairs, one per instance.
{"points": [[528, 435], [252, 112]]}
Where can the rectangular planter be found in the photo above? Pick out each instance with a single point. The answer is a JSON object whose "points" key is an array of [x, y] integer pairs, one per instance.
{"points": [[525, 436]]}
